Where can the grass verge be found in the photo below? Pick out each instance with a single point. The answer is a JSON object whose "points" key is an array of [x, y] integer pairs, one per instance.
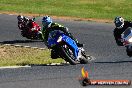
{"points": [[100, 9], [11, 55]]}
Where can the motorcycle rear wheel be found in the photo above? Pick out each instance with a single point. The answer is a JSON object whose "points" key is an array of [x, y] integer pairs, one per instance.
{"points": [[129, 53], [85, 58]]}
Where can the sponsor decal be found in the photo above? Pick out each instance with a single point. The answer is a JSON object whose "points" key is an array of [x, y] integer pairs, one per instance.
{"points": [[85, 80]]}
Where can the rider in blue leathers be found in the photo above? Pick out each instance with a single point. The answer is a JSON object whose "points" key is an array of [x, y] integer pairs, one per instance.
{"points": [[49, 26]]}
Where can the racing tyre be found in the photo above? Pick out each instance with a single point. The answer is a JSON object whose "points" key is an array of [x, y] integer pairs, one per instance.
{"points": [[118, 42], [67, 54], [129, 53], [84, 59]]}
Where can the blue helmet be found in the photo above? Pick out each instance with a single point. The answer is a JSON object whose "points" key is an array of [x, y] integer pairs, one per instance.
{"points": [[46, 21], [119, 22]]}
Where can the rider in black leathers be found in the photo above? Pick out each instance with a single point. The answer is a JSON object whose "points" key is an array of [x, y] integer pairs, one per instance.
{"points": [[121, 26], [29, 27], [22, 20]]}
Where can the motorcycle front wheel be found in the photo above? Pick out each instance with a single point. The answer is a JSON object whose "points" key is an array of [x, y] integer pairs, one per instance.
{"points": [[67, 54]]}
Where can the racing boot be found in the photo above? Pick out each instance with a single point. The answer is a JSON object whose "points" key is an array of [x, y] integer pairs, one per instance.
{"points": [[54, 54], [80, 45]]}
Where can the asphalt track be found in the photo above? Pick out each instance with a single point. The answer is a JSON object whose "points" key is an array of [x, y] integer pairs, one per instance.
{"points": [[111, 60]]}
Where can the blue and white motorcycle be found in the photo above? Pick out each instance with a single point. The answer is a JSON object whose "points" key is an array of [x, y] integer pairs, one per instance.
{"points": [[66, 48], [127, 40]]}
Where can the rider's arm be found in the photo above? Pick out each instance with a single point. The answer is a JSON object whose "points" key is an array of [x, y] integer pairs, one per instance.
{"points": [[62, 28], [66, 31], [130, 23], [45, 35]]}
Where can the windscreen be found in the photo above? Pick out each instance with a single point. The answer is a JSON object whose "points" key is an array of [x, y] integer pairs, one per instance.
{"points": [[127, 32]]}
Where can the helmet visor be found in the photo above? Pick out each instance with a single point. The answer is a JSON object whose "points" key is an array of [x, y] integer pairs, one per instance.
{"points": [[118, 24]]}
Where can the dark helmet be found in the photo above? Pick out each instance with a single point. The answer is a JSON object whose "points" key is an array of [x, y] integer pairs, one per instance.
{"points": [[46, 21], [20, 18], [119, 22]]}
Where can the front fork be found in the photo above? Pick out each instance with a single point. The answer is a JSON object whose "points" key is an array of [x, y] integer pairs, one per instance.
{"points": [[81, 52]]}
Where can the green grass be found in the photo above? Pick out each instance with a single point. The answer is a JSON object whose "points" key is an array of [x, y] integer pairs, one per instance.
{"points": [[101, 9], [10, 55]]}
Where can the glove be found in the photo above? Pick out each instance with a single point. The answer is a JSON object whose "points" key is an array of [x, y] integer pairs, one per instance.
{"points": [[33, 29]]}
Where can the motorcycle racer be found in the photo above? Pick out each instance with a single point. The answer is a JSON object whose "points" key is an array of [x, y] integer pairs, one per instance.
{"points": [[121, 26], [22, 20], [49, 26], [34, 27], [29, 25]]}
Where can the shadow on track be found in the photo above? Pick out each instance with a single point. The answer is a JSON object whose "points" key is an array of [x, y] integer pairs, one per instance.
{"points": [[115, 62], [34, 65], [19, 41]]}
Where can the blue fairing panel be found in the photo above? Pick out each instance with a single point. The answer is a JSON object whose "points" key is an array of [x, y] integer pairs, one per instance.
{"points": [[72, 43]]}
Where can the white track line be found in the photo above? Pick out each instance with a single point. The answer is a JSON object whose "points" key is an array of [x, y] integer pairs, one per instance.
{"points": [[11, 67]]}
